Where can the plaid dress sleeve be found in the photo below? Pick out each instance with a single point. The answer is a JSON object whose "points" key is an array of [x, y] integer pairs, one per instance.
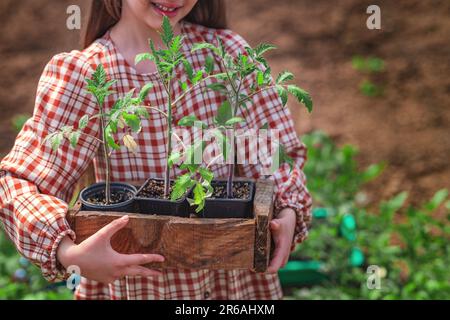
{"points": [[35, 181], [266, 108]]}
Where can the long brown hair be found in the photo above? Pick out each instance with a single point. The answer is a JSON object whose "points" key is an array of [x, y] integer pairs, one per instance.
{"points": [[104, 14]]}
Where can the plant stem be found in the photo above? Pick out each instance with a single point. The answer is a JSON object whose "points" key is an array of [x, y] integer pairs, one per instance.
{"points": [[179, 140], [92, 137], [232, 166], [168, 143], [257, 92], [213, 161], [157, 110], [190, 89], [107, 158]]}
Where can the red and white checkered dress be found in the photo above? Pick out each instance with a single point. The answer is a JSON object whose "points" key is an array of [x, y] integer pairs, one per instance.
{"points": [[36, 182]]}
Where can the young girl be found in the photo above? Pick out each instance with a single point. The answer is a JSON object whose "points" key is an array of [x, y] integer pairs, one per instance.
{"points": [[36, 183]]}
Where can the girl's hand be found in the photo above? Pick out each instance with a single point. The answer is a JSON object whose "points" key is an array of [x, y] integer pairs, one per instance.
{"points": [[283, 228], [98, 261]]}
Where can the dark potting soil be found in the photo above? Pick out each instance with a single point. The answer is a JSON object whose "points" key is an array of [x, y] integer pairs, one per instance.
{"points": [[117, 196], [154, 190], [241, 190]]}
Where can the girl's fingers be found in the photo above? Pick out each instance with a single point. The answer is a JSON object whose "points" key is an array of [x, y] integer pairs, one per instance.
{"points": [[285, 261], [109, 230], [139, 259], [139, 271], [278, 258], [275, 225]]}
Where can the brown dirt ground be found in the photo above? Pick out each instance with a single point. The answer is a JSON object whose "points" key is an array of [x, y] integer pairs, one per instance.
{"points": [[409, 126]]}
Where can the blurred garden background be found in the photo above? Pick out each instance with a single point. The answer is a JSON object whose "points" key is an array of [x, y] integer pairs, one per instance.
{"points": [[378, 139]]}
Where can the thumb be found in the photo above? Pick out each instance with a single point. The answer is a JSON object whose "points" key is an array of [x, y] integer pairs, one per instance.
{"points": [[112, 228]]}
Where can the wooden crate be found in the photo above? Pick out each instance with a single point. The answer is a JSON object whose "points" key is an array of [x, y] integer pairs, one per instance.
{"points": [[190, 243]]}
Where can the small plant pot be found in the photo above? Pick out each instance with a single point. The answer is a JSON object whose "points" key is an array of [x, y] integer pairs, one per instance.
{"points": [[229, 208], [164, 207], [126, 190]]}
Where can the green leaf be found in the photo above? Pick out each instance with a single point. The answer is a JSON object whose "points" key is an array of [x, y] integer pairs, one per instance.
{"points": [[145, 91], [234, 121], [99, 76], [209, 64], [194, 153], [127, 100], [370, 65], [375, 64], [192, 168], [358, 63], [176, 44], [199, 197], [302, 96], [117, 106], [189, 121], [394, 204], [56, 140], [174, 158], [221, 50], [250, 51], [268, 75], [109, 84], [221, 76], [132, 121], [167, 31], [181, 186], [197, 77], [205, 45], [373, 171], [114, 125], [98, 85], [142, 112], [243, 60], [285, 76], [155, 52], [208, 187], [218, 87], [224, 113], [183, 85], [263, 62], [282, 92], [438, 198], [83, 122], [260, 78], [206, 174], [370, 89], [74, 137], [189, 70], [144, 57], [263, 48], [110, 139]]}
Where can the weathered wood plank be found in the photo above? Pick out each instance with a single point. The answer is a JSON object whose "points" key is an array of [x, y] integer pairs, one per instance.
{"points": [[263, 209], [186, 243]]}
